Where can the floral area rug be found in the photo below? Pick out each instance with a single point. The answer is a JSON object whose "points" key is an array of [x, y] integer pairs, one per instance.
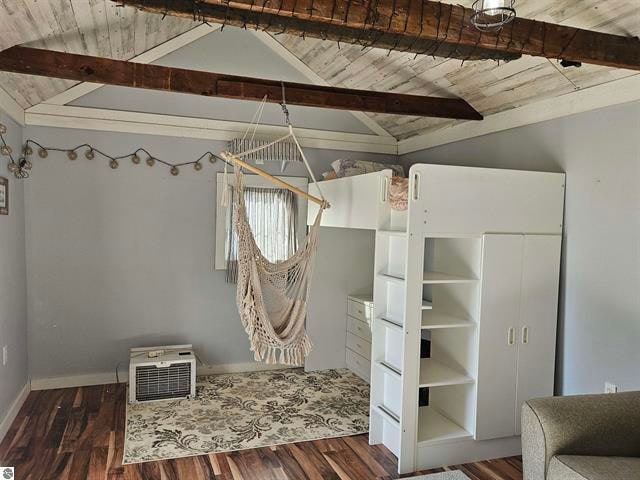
{"points": [[248, 410]]}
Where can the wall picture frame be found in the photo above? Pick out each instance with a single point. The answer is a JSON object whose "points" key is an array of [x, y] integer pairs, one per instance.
{"points": [[4, 196]]}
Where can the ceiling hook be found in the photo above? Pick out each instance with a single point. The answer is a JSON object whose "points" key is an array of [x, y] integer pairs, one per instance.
{"points": [[283, 104]]}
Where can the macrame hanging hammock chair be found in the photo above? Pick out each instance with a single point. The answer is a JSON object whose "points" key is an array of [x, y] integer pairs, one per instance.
{"points": [[272, 297]]}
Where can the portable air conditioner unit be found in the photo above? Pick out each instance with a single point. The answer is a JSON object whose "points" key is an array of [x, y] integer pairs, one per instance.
{"points": [[161, 373]]}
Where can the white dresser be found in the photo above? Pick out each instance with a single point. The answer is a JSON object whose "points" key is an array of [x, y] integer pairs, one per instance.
{"points": [[358, 352]]}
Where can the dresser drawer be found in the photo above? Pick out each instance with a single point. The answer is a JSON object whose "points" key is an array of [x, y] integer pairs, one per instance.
{"points": [[359, 310], [359, 328], [359, 365], [359, 345]]}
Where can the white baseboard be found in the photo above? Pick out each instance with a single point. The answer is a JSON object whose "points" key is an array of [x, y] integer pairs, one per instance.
{"points": [[12, 413], [101, 378]]}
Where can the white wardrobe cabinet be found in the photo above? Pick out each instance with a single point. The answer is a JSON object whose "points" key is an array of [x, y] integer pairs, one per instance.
{"points": [[517, 331]]}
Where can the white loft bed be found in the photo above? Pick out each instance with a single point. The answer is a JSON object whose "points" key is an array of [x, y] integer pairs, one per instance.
{"points": [[473, 265], [464, 200]]}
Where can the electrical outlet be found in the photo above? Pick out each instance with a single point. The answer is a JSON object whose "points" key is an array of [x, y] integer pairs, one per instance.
{"points": [[5, 355], [610, 388]]}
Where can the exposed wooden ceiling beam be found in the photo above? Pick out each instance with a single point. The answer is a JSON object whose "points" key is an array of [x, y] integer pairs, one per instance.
{"points": [[85, 68], [424, 26]]}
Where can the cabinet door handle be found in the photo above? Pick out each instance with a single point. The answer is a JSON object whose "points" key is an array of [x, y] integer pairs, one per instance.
{"points": [[511, 340], [525, 335]]}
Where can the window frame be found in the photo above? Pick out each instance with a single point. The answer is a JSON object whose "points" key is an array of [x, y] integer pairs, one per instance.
{"points": [[222, 213]]}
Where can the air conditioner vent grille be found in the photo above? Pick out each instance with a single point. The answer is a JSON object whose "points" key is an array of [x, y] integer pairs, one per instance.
{"points": [[156, 383]]}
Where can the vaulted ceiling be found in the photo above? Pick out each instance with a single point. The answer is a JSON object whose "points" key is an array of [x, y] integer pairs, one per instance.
{"points": [[488, 86], [93, 27], [99, 27]]}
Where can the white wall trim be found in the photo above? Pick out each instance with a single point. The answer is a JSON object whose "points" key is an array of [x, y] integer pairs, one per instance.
{"points": [[102, 378], [600, 96], [11, 107], [149, 56], [13, 411], [85, 118], [312, 76]]}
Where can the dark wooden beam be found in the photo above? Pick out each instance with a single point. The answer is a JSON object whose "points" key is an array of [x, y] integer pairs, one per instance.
{"points": [[85, 68], [420, 26]]}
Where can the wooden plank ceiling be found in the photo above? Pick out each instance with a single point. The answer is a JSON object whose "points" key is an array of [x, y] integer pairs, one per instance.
{"points": [[100, 28], [488, 86], [91, 27]]}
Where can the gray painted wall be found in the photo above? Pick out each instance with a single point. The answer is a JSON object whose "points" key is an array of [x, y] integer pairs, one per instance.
{"points": [[13, 289], [231, 51], [122, 258], [599, 326]]}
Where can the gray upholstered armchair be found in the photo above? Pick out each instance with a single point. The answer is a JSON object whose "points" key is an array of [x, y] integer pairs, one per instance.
{"points": [[595, 437]]}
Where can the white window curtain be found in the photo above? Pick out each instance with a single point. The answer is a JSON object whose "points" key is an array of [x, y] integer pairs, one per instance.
{"points": [[273, 216]]}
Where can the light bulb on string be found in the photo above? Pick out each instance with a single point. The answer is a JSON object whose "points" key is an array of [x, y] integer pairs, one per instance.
{"points": [[492, 15]]}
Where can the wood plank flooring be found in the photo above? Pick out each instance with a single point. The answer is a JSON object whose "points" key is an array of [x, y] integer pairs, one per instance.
{"points": [[78, 433]]}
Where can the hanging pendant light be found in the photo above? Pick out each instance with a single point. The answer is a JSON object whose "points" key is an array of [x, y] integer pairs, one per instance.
{"points": [[492, 15]]}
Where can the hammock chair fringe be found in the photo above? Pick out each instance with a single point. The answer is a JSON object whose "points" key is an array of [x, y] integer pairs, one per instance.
{"points": [[292, 355]]}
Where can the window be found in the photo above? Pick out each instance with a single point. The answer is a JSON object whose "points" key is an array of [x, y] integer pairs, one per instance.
{"points": [[277, 217]]}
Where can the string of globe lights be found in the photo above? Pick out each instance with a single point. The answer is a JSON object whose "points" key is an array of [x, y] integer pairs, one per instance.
{"points": [[21, 166]]}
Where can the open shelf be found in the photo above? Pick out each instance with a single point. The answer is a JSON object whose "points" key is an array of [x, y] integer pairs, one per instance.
{"points": [[436, 374], [441, 277], [434, 427], [390, 322], [391, 278], [436, 320]]}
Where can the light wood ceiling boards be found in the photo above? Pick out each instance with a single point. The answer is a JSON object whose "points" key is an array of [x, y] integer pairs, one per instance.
{"points": [[489, 86], [98, 27], [91, 27]]}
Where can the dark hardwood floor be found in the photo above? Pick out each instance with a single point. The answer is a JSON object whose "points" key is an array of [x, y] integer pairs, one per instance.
{"points": [[78, 433]]}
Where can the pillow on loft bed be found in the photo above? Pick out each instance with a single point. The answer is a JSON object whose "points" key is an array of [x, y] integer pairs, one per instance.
{"points": [[398, 190], [345, 167], [399, 193]]}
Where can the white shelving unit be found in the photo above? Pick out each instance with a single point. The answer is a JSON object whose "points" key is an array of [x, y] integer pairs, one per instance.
{"points": [[428, 284]]}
